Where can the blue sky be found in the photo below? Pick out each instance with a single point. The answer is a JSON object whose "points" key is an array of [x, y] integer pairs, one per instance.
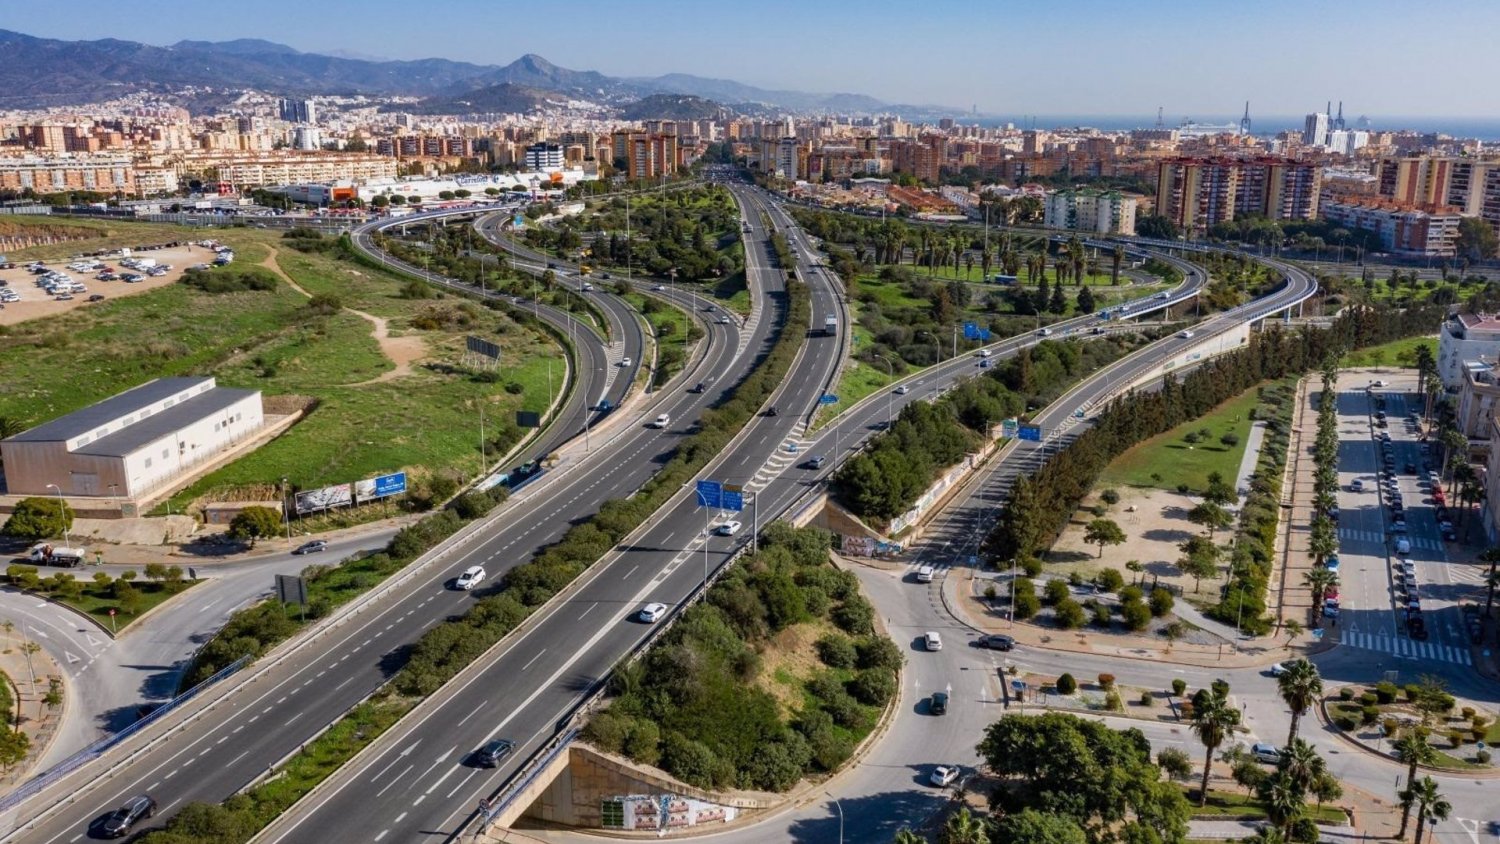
{"points": [[1087, 57]]}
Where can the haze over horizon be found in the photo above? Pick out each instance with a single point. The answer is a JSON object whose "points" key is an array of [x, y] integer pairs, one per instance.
{"points": [[1086, 57]]}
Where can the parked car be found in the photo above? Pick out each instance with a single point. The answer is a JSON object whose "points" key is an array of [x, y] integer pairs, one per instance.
{"points": [[1269, 754]]}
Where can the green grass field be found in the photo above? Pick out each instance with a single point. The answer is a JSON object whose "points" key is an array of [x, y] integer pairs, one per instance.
{"points": [[97, 601], [1167, 461], [1401, 353], [272, 342], [1238, 806]]}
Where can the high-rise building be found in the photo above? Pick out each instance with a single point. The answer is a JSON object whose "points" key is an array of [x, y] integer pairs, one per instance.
{"points": [[1089, 210], [1315, 129], [297, 111], [544, 158], [1468, 184]]}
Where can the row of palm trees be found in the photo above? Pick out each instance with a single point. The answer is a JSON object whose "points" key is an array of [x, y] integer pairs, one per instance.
{"points": [[1323, 539], [932, 247]]}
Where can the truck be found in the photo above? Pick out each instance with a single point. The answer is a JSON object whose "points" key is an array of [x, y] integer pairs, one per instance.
{"points": [[830, 325], [145, 263], [47, 554]]}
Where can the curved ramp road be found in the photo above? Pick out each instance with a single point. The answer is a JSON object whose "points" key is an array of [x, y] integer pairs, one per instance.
{"points": [[267, 712]]}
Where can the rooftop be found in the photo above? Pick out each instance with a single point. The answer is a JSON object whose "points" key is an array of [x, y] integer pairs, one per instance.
{"points": [[129, 439], [115, 407]]}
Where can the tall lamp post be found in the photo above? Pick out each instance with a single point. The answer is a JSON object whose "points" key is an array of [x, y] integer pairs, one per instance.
{"points": [[62, 511], [286, 514], [890, 401], [840, 807]]}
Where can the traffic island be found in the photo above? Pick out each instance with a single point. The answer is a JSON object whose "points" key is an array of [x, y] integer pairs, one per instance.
{"points": [[1460, 734]]}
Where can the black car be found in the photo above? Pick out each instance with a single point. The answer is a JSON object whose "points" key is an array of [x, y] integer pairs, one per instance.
{"points": [[1450, 534], [551, 265], [939, 703], [772, 411], [996, 642], [1410, 468], [1415, 627], [312, 547], [698, 387], [493, 752], [135, 810]]}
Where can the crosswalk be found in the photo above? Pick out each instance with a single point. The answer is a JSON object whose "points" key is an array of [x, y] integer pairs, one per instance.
{"points": [[613, 354], [1406, 648], [1353, 535]]}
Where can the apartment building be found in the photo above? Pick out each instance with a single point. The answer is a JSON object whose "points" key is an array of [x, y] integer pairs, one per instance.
{"points": [[1088, 210], [1471, 185], [103, 173], [1404, 228], [544, 157], [1464, 338], [1203, 192], [287, 167]]}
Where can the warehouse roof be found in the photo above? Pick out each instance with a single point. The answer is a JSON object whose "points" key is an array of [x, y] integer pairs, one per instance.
{"points": [[130, 439], [80, 422]]}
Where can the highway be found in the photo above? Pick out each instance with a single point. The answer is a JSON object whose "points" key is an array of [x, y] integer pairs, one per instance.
{"points": [[270, 709], [420, 773]]}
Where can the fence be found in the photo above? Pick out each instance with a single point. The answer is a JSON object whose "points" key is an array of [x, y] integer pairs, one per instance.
{"points": [[93, 751]]}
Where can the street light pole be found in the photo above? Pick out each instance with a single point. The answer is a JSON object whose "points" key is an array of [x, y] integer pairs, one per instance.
{"points": [[62, 510], [840, 807], [890, 401], [286, 514]]}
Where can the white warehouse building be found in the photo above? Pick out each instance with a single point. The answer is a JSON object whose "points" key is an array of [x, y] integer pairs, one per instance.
{"points": [[132, 443]]}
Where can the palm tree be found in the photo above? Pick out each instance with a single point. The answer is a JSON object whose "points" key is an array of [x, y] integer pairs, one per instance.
{"points": [[1214, 718], [1302, 764], [1281, 795], [1319, 580], [1322, 539], [1300, 685], [906, 836], [1430, 804], [964, 827], [1413, 749]]}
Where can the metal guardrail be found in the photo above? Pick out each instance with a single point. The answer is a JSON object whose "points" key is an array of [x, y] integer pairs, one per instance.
{"points": [[88, 754]]}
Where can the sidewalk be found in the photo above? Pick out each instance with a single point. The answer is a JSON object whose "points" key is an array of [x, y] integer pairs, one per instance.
{"points": [[1252, 454], [37, 720]]}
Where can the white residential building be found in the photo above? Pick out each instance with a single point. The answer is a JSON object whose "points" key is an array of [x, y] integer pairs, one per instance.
{"points": [[1464, 339], [1088, 210]]}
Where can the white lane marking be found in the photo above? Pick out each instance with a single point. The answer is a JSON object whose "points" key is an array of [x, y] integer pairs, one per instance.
{"points": [[534, 659]]}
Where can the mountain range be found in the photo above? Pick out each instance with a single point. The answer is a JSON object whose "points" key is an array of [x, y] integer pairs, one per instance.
{"points": [[39, 72]]}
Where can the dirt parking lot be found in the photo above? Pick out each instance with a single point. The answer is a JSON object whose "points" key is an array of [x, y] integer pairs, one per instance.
{"points": [[36, 303]]}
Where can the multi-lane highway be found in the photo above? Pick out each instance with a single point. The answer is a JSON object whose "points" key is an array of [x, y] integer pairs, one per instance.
{"points": [[269, 711]]}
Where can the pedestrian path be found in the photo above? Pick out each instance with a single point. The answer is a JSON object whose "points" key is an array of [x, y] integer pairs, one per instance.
{"points": [[1406, 648]]}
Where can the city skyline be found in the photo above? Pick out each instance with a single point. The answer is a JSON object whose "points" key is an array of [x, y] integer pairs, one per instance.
{"points": [[1009, 57]]}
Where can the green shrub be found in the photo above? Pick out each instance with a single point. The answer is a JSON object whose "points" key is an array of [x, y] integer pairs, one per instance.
{"points": [[837, 651], [1025, 600], [1103, 616], [1346, 693], [1066, 685], [1137, 616], [1179, 687], [1347, 723], [1069, 614], [1369, 714], [1161, 602], [1368, 699], [1482, 757], [878, 652], [1054, 591], [1110, 497], [1386, 692], [1110, 580], [1113, 702], [1455, 738], [1131, 593], [874, 686]]}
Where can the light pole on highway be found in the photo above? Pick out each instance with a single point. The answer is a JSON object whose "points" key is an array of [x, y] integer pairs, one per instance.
{"points": [[1012, 615], [62, 513], [890, 400], [286, 514], [840, 807]]}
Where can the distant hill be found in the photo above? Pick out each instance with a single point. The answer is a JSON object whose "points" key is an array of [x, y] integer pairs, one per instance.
{"points": [[36, 72], [504, 98], [673, 107]]}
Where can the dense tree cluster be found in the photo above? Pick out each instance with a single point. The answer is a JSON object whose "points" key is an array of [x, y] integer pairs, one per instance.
{"points": [[690, 704], [1039, 506]]}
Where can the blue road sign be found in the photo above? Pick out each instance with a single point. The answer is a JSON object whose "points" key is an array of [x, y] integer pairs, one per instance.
{"points": [[972, 331], [732, 500], [710, 493], [828, 398], [1031, 432]]}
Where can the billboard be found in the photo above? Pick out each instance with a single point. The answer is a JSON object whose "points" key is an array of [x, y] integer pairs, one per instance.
{"points": [[482, 347], [338, 495], [380, 486]]}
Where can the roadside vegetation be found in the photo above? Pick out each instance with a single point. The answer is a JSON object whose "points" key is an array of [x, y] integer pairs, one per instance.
{"points": [[1185, 456], [742, 718], [113, 602]]}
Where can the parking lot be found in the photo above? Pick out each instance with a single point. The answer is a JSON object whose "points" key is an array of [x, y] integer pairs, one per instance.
{"points": [[1400, 586], [33, 301]]}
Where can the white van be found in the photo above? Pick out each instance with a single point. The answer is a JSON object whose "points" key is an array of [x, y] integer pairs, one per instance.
{"points": [[925, 574]]}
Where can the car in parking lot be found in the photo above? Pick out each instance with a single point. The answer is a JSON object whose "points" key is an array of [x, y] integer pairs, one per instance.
{"points": [[652, 613], [121, 820], [944, 775], [493, 752], [311, 547], [1332, 563], [729, 528], [471, 577]]}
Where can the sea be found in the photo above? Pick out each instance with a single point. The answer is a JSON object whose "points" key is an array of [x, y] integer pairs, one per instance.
{"points": [[1480, 128]]}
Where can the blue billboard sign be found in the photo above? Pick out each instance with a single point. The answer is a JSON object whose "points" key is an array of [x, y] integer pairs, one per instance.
{"points": [[390, 484], [972, 331], [710, 494], [1031, 432], [732, 499]]}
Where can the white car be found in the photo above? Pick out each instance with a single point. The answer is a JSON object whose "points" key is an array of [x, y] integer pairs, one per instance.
{"points": [[902, 390], [1045, 332], [1186, 335], [472, 576], [652, 613], [662, 421], [626, 361], [657, 288], [984, 353], [944, 775], [1278, 669], [729, 528], [932, 641], [723, 320]]}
